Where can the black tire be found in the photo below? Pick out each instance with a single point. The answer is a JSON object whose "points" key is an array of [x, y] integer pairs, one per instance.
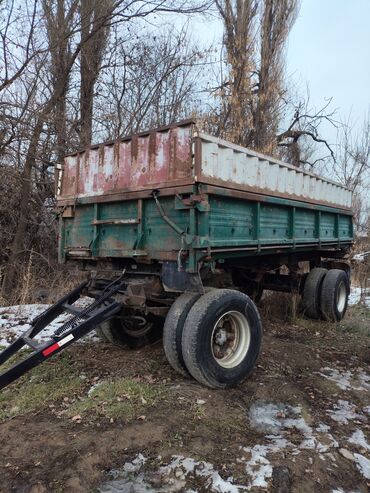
{"points": [[312, 292], [117, 332], [173, 328], [334, 295], [200, 332], [103, 331]]}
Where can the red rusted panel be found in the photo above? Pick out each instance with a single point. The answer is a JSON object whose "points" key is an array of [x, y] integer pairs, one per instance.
{"points": [[158, 158], [124, 165], [88, 171], [69, 176]]}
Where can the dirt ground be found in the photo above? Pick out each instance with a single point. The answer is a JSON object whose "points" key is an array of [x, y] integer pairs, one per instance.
{"points": [[300, 423]]}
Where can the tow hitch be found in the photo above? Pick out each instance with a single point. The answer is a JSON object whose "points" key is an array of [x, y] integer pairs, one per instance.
{"points": [[81, 323]]}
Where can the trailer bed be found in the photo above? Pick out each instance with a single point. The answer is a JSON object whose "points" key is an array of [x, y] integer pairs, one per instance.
{"points": [[175, 190]]}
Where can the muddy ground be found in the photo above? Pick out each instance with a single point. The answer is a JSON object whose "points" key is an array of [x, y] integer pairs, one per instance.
{"points": [[98, 412]]}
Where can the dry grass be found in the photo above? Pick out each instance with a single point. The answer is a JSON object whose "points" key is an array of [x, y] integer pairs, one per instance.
{"points": [[45, 384], [284, 306], [122, 398], [42, 283]]}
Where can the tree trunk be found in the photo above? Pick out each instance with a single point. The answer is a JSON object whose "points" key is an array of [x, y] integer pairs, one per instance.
{"points": [[93, 43], [9, 279]]}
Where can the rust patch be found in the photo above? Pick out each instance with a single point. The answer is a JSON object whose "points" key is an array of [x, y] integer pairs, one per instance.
{"points": [[144, 161]]}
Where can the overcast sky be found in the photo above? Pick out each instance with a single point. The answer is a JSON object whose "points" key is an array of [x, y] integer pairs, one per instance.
{"points": [[329, 49]]}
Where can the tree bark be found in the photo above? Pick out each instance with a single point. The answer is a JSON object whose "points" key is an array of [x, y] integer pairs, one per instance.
{"points": [[25, 196]]}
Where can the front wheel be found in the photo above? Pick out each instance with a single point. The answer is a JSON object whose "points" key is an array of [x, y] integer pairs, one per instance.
{"points": [[221, 339], [132, 331]]}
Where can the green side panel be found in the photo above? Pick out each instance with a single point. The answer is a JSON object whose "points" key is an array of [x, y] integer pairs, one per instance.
{"points": [[305, 224], [223, 222], [345, 227], [274, 223], [113, 239], [237, 222], [328, 229], [230, 221], [78, 230], [152, 235], [159, 235]]}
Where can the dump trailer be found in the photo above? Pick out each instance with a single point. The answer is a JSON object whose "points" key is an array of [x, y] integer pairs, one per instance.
{"points": [[181, 232]]}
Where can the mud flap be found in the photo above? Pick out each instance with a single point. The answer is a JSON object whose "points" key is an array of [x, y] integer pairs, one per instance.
{"points": [[180, 281]]}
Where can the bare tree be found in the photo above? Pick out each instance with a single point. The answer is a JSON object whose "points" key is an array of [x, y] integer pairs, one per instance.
{"points": [[352, 167], [60, 23], [43, 64], [277, 19], [146, 83], [47, 106], [304, 130], [17, 48], [237, 91], [92, 51], [255, 102], [255, 32]]}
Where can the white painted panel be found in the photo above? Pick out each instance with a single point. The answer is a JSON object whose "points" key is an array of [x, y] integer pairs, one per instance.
{"points": [[240, 168]]}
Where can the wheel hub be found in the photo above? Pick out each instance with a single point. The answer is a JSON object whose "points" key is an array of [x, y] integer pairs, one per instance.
{"points": [[230, 339]]}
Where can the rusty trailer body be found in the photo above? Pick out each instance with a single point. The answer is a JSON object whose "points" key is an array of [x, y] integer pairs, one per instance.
{"points": [[182, 232], [175, 194]]}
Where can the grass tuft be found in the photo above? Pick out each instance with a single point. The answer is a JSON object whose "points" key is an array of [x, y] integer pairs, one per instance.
{"points": [[123, 398], [46, 383]]}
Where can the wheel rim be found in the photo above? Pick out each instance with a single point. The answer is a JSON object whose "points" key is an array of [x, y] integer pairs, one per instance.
{"points": [[230, 339], [135, 326], [341, 297]]}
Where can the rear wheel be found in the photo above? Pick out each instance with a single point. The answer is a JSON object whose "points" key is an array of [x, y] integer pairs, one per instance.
{"points": [[312, 292], [334, 295], [222, 338], [173, 328]]}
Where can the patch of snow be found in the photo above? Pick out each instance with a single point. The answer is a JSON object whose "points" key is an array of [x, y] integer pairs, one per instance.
{"points": [[363, 465], [322, 428], [169, 478], [279, 420], [15, 320], [356, 294], [346, 380], [135, 465], [344, 412], [258, 467], [214, 482], [358, 438], [273, 417], [93, 387]]}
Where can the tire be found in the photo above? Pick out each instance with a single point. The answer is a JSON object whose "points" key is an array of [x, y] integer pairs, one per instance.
{"points": [[100, 333], [312, 293], [214, 364], [103, 331], [116, 331], [334, 295], [173, 328]]}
